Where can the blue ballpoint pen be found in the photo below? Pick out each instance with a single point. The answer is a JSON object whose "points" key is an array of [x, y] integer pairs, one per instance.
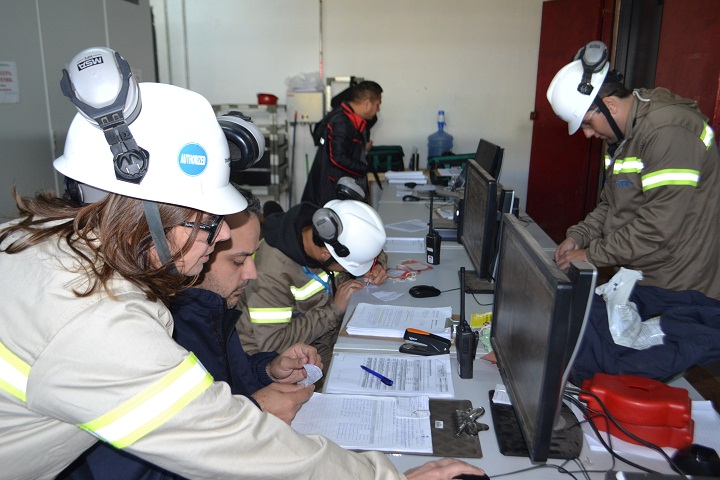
{"points": [[382, 378]]}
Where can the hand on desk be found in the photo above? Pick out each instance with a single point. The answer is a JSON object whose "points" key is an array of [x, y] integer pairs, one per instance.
{"points": [[344, 290], [376, 276], [443, 469], [288, 366], [568, 252], [283, 400]]}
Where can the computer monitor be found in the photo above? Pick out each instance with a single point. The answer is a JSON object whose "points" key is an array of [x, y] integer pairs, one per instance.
{"points": [[478, 226], [489, 156], [539, 314]]}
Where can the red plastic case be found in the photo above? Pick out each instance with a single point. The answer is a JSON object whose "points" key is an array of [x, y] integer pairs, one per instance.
{"points": [[652, 410]]}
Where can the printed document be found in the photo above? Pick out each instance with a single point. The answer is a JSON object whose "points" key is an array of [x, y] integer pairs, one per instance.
{"points": [[411, 374], [388, 424], [391, 320]]}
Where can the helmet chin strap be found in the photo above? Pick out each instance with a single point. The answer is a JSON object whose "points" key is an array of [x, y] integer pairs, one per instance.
{"points": [[152, 216], [611, 121], [331, 275]]}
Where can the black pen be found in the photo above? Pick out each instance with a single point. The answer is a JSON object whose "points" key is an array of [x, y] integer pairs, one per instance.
{"points": [[382, 378]]}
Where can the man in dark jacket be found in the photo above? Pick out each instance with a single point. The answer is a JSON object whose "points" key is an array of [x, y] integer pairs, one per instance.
{"points": [[342, 139], [204, 318]]}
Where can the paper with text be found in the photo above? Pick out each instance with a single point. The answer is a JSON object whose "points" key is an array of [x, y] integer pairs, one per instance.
{"points": [[389, 424], [392, 320], [411, 375]]}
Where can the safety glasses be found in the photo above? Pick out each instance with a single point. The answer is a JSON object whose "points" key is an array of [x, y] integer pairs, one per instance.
{"points": [[586, 121], [213, 228]]}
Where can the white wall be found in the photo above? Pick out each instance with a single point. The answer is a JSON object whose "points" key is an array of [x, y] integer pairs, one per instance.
{"points": [[476, 59], [41, 36]]}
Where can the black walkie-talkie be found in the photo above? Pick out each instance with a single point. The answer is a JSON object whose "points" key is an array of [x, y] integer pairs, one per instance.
{"points": [[432, 240], [466, 340]]}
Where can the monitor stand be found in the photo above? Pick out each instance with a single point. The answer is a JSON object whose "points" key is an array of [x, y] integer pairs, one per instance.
{"points": [[566, 442], [475, 284]]}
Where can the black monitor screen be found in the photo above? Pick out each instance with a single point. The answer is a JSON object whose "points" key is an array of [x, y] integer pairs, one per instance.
{"points": [[537, 314], [479, 218], [489, 156]]}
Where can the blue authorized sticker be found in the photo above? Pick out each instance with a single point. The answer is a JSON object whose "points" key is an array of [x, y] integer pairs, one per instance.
{"points": [[192, 159]]}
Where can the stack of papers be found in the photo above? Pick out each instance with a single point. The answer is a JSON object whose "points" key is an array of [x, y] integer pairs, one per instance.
{"points": [[391, 321], [410, 374], [388, 424], [406, 176]]}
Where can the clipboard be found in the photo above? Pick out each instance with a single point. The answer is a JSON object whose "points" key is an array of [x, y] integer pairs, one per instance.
{"points": [[442, 426]]}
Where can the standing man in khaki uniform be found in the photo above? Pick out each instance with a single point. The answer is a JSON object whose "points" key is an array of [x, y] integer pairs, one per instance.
{"points": [[660, 204]]}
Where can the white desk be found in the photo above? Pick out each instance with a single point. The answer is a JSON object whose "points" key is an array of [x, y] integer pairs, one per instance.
{"points": [[486, 375]]}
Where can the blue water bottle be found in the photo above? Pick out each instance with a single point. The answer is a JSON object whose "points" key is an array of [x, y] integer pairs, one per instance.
{"points": [[440, 142]]}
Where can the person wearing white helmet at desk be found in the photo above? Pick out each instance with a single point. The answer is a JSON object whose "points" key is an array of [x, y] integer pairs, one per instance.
{"points": [[306, 264], [660, 201], [85, 333]]}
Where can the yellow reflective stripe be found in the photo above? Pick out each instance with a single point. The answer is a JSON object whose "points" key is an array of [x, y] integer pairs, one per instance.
{"points": [[309, 289], [628, 165], [679, 176], [608, 161], [707, 136], [13, 374], [270, 315], [153, 406]]}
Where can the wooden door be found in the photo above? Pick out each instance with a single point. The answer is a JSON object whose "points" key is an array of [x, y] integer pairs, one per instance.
{"points": [[563, 178], [688, 55]]}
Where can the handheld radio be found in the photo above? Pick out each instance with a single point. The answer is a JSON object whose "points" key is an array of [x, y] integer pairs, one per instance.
{"points": [[466, 341], [432, 240]]}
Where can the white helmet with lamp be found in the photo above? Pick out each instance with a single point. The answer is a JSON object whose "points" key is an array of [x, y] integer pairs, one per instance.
{"points": [[167, 147], [574, 88], [352, 232]]}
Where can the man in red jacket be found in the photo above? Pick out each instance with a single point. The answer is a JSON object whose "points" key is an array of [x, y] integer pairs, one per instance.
{"points": [[342, 139]]}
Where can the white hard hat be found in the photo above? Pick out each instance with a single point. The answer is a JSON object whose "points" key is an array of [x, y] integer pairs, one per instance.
{"points": [[566, 101], [360, 231], [189, 160]]}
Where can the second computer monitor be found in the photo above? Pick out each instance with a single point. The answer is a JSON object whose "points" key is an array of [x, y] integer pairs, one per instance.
{"points": [[483, 203], [489, 156]]}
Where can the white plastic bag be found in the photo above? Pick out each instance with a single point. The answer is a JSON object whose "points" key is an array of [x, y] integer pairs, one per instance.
{"points": [[305, 82], [626, 326]]}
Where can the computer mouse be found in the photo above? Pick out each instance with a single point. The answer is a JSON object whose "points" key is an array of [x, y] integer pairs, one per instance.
{"points": [[424, 291], [411, 185], [410, 198], [698, 460]]}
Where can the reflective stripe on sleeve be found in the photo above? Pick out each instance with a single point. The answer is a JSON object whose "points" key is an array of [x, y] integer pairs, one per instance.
{"points": [[152, 407], [13, 374], [310, 288], [679, 176], [628, 165], [270, 315], [707, 136]]}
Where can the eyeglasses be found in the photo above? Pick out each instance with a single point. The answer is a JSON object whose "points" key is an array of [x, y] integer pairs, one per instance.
{"points": [[213, 228], [586, 121]]}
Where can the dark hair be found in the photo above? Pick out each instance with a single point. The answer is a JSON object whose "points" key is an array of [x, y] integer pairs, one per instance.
{"points": [[109, 237], [366, 90], [254, 208], [613, 86]]}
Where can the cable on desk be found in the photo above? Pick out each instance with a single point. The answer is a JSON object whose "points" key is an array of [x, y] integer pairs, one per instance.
{"points": [[559, 468], [478, 302]]}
